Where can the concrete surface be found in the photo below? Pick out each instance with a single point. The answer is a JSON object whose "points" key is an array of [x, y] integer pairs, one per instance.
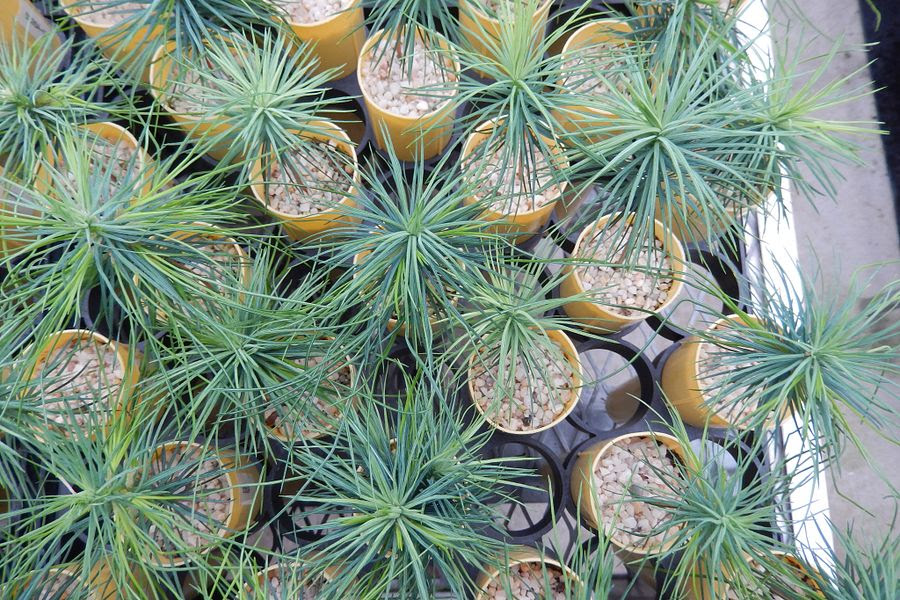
{"points": [[859, 229]]}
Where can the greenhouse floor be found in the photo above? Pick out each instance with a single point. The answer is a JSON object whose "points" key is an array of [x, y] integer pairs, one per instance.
{"points": [[861, 229]]}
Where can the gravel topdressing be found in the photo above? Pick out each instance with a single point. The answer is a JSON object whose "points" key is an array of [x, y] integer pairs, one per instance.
{"points": [[303, 420], [107, 12], [310, 180], [186, 85], [529, 581], [620, 289], [312, 11], [385, 77], [209, 510], [624, 471], [59, 585], [84, 377], [535, 402], [511, 185]]}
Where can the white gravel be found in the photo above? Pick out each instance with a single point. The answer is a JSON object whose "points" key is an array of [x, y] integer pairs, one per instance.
{"points": [[384, 76], [627, 470], [310, 180], [107, 12], [512, 184], [84, 377], [529, 581], [620, 289], [535, 402], [312, 11], [208, 511], [304, 420]]}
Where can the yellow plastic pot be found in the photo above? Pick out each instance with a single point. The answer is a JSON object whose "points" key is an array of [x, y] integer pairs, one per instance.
{"points": [[21, 21], [524, 223], [583, 490], [115, 135], [100, 585], [126, 358], [302, 227], [275, 571], [575, 118], [480, 30], [682, 385], [162, 69], [571, 355], [246, 497], [520, 555], [118, 45], [337, 40], [410, 137], [598, 318]]}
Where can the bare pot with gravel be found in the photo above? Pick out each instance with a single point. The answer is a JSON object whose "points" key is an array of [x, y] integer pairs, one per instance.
{"points": [[646, 282], [279, 582], [304, 190], [534, 404], [520, 191], [611, 472], [409, 98], [83, 380], [528, 574], [223, 503], [700, 387], [333, 27]]}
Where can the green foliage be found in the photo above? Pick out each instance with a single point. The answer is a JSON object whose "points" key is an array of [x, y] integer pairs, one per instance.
{"points": [[408, 494], [812, 359], [44, 95]]}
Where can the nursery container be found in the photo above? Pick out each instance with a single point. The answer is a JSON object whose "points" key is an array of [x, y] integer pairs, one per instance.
{"points": [[160, 75], [571, 355], [523, 224], [116, 44], [598, 318], [574, 118], [582, 488], [682, 385], [410, 137], [517, 556], [127, 360], [301, 227], [21, 20], [336, 41], [246, 496], [479, 29], [115, 135], [275, 571]]}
